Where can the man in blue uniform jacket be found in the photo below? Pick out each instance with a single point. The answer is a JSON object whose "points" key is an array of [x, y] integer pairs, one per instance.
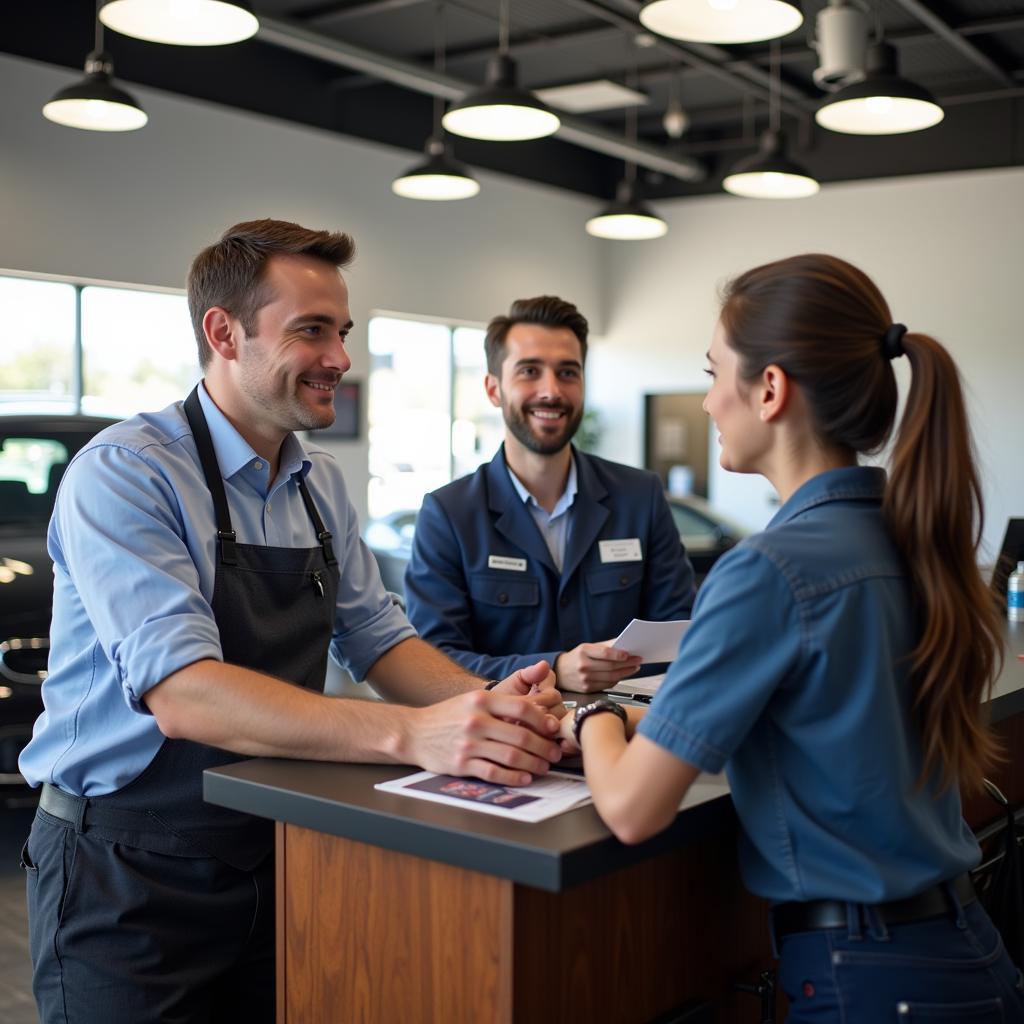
{"points": [[545, 552]]}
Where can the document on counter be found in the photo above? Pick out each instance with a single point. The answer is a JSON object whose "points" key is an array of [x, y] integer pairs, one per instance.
{"points": [[545, 797], [652, 641]]}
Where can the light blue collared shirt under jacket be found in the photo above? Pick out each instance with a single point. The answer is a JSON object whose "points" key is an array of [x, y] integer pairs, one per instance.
{"points": [[793, 676], [133, 544]]}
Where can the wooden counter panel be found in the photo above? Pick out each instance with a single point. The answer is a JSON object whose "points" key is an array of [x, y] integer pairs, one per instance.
{"points": [[641, 941], [404, 939]]}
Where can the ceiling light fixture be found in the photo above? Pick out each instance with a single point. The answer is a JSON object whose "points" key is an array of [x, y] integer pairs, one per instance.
{"points": [[439, 177], [841, 39], [501, 111], [721, 21], [882, 103], [770, 173], [95, 104], [181, 22], [675, 120], [628, 218]]}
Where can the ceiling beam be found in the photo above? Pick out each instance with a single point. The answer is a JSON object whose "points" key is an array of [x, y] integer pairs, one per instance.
{"points": [[337, 12], [948, 34], [425, 80]]}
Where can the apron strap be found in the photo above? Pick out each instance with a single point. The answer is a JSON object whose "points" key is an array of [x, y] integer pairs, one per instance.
{"points": [[211, 470], [322, 533]]}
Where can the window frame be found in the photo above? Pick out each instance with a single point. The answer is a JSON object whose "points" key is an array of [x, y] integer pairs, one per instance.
{"points": [[79, 284]]}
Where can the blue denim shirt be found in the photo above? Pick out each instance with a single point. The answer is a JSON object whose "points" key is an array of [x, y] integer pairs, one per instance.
{"points": [[133, 544], [793, 676]]}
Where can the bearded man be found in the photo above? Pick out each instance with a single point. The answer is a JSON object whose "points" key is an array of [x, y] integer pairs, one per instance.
{"points": [[545, 552]]}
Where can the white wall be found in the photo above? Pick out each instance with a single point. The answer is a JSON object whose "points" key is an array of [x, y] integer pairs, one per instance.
{"points": [[946, 250], [135, 208]]}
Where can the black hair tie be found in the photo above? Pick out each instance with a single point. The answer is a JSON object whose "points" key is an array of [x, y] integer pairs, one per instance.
{"points": [[892, 341]]}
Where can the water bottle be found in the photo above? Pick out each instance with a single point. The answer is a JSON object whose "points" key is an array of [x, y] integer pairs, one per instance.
{"points": [[1015, 594]]}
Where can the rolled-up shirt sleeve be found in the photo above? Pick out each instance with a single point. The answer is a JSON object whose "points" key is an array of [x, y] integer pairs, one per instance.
{"points": [[742, 645], [117, 536]]}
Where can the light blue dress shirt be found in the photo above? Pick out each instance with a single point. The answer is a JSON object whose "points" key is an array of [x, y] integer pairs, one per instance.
{"points": [[554, 525], [793, 676], [133, 544]]}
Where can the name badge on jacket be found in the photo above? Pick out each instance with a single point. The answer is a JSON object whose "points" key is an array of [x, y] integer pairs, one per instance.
{"points": [[625, 550], [513, 564]]}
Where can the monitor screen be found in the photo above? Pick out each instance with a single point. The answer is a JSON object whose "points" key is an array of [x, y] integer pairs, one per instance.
{"points": [[346, 413], [1010, 554]]}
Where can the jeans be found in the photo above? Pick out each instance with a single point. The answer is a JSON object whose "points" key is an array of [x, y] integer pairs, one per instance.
{"points": [[943, 970]]}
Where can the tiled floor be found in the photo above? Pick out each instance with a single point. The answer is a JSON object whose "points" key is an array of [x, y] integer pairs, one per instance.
{"points": [[16, 1003]]}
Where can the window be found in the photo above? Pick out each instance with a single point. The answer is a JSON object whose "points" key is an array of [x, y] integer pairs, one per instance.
{"points": [[429, 418], [68, 347]]}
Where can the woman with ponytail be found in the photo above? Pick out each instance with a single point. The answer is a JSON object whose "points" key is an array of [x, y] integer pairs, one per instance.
{"points": [[837, 662]]}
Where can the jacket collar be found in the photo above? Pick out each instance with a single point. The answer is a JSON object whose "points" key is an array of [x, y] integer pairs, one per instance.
{"points": [[514, 522]]}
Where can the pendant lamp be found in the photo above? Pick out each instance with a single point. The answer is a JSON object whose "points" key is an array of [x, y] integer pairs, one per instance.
{"points": [[628, 218], [721, 21], [501, 111], [95, 104], [181, 22], [882, 102], [770, 173], [439, 177]]}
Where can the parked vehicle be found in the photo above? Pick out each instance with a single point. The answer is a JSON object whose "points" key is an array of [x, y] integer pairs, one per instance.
{"points": [[706, 534], [34, 452]]}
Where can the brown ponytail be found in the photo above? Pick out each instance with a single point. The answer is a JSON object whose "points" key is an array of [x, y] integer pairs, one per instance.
{"points": [[933, 506], [822, 321]]}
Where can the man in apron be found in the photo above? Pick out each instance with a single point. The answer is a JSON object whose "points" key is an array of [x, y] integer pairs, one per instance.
{"points": [[205, 563]]}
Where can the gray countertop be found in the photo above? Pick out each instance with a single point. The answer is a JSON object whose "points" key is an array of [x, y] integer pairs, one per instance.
{"points": [[553, 855]]}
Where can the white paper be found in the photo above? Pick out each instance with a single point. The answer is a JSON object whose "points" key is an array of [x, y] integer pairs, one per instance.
{"points": [[652, 641], [545, 797], [646, 687]]}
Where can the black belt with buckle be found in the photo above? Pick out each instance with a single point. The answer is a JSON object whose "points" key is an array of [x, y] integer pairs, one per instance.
{"points": [[818, 914], [83, 813]]}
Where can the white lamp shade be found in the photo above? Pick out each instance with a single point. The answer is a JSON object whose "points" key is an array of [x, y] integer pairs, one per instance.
{"points": [[770, 185], [180, 22], [95, 115], [721, 21], [501, 122], [435, 187], [879, 115], [626, 226]]}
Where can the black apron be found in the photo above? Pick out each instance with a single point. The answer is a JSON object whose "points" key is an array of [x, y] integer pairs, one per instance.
{"points": [[274, 608]]}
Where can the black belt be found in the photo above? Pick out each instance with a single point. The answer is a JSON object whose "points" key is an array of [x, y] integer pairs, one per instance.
{"points": [[83, 813], [817, 914]]}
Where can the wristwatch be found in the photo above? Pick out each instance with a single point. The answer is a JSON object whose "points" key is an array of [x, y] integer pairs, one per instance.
{"points": [[586, 710]]}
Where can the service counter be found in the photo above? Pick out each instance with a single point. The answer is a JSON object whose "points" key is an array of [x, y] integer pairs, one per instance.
{"points": [[391, 909]]}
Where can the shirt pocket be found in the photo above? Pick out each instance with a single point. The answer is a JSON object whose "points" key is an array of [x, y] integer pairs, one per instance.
{"points": [[612, 579], [504, 592]]}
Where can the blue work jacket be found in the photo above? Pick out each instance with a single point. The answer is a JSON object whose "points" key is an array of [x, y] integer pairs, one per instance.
{"points": [[482, 586]]}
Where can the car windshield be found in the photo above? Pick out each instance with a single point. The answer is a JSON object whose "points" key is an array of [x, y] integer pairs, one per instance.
{"points": [[30, 470]]}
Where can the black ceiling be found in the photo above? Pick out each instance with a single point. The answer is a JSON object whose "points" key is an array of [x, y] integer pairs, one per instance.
{"points": [[969, 53]]}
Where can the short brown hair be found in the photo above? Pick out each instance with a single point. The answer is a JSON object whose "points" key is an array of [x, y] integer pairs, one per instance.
{"points": [[544, 310], [230, 272]]}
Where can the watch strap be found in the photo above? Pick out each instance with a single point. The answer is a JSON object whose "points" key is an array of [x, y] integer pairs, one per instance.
{"points": [[596, 707]]}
